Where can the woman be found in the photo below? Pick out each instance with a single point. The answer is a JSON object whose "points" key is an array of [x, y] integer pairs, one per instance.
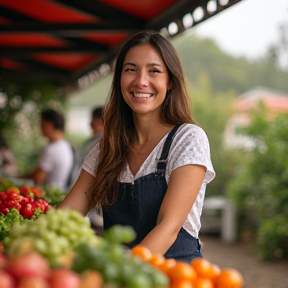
{"points": [[152, 165]]}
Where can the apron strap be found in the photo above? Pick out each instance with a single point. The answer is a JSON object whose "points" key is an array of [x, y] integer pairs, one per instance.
{"points": [[162, 162]]}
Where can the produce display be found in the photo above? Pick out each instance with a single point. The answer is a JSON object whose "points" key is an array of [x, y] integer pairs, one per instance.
{"points": [[18, 204], [45, 247], [54, 235], [26, 200]]}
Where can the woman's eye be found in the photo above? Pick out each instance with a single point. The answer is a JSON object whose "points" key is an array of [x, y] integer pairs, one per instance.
{"points": [[155, 71], [129, 70]]}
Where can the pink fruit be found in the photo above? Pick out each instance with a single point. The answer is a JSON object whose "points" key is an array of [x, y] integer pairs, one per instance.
{"points": [[64, 278], [33, 282], [6, 281], [3, 261], [27, 265]]}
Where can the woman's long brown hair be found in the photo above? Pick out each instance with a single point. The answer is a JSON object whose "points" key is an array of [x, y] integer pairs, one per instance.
{"points": [[118, 121]]}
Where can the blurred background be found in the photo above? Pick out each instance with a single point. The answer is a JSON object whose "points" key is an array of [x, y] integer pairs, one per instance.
{"points": [[236, 67]]}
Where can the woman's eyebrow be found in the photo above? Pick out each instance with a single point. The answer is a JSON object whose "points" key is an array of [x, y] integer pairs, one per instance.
{"points": [[150, 64], [154, 64], [129, 63]]}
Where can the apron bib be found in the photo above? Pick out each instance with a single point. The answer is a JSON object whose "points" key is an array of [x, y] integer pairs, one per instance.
{"points": [[138, 206]]}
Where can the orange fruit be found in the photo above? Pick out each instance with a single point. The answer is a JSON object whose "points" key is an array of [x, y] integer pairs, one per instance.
{"points": [[215, 271], [167, 265], [182, 271], [203, 283], [202, 267], [141, 252], [91, 279], [182, 284], [229, 278], [156, 260]]}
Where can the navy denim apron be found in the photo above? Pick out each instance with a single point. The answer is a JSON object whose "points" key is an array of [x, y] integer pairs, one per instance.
{"points": [[138, 205]]}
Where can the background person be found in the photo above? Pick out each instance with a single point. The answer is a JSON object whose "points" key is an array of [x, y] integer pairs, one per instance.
{"points": [[55, 164], [152, 165], [96, 125]]}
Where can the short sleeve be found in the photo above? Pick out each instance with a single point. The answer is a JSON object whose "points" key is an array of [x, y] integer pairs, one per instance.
{"points": [[91, 160], [191, 146], [46, 159]]}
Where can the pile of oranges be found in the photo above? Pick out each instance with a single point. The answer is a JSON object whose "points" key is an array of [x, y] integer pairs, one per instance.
{"points": [[200, 273]]}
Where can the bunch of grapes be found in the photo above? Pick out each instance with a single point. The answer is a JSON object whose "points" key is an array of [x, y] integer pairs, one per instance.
{"points": [[55, 235]]}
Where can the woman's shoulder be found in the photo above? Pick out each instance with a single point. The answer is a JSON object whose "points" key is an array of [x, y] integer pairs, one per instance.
{"points": [[187, 129]]}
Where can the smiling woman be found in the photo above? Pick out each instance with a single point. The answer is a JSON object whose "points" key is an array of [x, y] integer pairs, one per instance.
{"points": [[152, 165], [145, 79]]}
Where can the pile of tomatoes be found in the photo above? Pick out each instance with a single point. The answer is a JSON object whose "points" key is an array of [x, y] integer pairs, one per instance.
{"points": [[25, 199], [200, 273]]}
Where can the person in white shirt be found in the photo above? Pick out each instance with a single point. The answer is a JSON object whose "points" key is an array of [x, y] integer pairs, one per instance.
{"points": [[55, 164]]}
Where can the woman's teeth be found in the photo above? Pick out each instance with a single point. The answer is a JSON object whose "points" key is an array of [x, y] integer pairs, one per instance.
{"points": [[142, 95]]}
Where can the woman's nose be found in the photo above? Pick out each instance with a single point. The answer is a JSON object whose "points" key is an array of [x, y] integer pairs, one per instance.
{"points": [[142, 79]]}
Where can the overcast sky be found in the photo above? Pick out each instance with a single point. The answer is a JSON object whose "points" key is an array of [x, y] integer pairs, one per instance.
{"points": [[247, 28]]}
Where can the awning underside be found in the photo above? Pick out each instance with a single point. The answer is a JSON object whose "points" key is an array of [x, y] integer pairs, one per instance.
{"points": [[62, 40]]}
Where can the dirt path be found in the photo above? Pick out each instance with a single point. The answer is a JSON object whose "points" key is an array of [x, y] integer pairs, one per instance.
{"points": [[257, 274]]}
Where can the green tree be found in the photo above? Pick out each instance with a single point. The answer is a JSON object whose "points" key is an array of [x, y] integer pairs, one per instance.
{"points": [[211, 111], [20, 105], [202, 55], [260, 190]]}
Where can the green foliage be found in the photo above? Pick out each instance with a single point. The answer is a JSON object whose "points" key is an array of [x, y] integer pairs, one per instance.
{"points": [[226, 72], [20, 106], [273, 238], [211, 111], [260, 190], [27, 97]]}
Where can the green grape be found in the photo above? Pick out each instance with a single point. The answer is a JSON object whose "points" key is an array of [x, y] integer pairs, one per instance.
{"points": [[33, 229], [116, 253], [18, 230], [120, 234], [55, 249], [41, 246], [127, 270], [139, 280], [64, 231], [111, 271], [159, 279]]}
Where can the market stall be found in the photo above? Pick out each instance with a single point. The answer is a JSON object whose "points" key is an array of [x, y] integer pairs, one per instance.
{"points": [[42, 246]]}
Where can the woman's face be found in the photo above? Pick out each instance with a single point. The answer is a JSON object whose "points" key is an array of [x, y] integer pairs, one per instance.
{"points": [[144, 79]]}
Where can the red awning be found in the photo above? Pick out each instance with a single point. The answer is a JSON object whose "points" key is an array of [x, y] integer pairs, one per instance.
{"points": [[62, 40]]}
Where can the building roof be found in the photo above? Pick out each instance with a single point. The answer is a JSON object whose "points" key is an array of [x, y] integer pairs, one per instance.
{"points": [[61, 41], [274, 100]]}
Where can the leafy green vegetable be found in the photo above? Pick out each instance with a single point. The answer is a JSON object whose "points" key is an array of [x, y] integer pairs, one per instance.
{"points": [[8, 220]]}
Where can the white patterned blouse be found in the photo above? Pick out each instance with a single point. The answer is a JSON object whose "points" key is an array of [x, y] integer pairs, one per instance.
{"points": [[190, 146]]}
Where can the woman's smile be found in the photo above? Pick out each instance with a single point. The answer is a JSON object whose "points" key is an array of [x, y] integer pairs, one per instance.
{"points": [[142, 96]]}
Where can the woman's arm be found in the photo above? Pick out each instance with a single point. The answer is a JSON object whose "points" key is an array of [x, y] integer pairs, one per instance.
{"points": [[78, 197], [184, 185]]}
